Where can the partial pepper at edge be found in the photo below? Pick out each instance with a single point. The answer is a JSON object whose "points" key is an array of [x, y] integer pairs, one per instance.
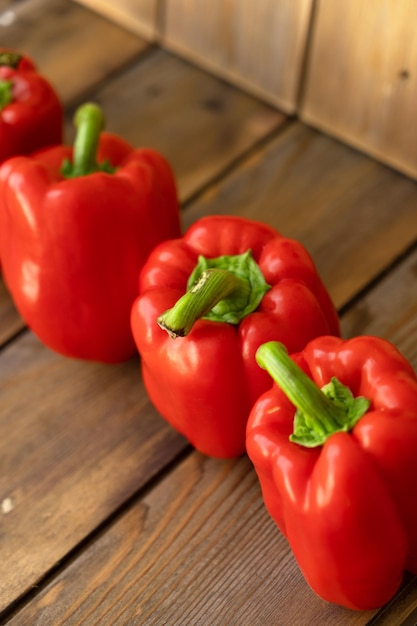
{"points": [[204, 383], [338, 475], [76, 227], [31, 116]]}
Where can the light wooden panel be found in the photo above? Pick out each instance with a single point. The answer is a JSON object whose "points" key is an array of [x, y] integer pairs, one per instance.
{"points": [[256, 45], [139, 16], [200, 544], [361, 83]]}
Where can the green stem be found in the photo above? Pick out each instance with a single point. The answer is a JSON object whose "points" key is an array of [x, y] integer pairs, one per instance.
{"points": [[9, 59], [6, 95], [213, 286], [320, 413], [302, 392], [89, 122]]}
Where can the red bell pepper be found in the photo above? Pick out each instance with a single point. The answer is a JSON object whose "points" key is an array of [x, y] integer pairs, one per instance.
{"points": [[334, 444], [76, 227], [247, 284], [31, 114]]}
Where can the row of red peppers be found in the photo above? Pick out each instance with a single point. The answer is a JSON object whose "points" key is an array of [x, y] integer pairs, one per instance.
{"points": [[92, 253]]}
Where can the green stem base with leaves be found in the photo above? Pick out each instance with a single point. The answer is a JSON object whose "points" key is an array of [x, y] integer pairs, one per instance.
{"points": [[320, 412], [223, 289]]}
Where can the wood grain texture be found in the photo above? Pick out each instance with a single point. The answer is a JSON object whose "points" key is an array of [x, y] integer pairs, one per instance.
{"points": [[353, 214], [200, 544], [199, 549], [77, 440], [72, 46], [402, 610], [361, 84], [138, 16], [199, 123], [256, 45]]}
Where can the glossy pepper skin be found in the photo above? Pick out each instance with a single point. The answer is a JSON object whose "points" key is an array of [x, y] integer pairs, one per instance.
{"points": [[205, 383], [72, 246], [347, 506], [31, 114]]}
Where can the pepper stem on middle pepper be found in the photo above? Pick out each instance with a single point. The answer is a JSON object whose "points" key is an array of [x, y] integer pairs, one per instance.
{"points": [[223, 289], [213, 286], [320, 412]]}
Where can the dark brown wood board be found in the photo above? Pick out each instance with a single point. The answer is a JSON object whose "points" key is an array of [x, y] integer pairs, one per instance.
{"points": [[200, 547]]}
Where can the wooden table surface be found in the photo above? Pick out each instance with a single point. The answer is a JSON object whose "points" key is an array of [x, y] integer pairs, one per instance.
{"points": [[107, 515]]}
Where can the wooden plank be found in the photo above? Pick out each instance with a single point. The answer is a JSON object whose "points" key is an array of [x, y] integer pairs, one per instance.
{"points": [[200, 544], [354, 215], [66, 42], [361, 84], [199, 123], [198, 547], [139, 16], [77, 440], [258, 46]]}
